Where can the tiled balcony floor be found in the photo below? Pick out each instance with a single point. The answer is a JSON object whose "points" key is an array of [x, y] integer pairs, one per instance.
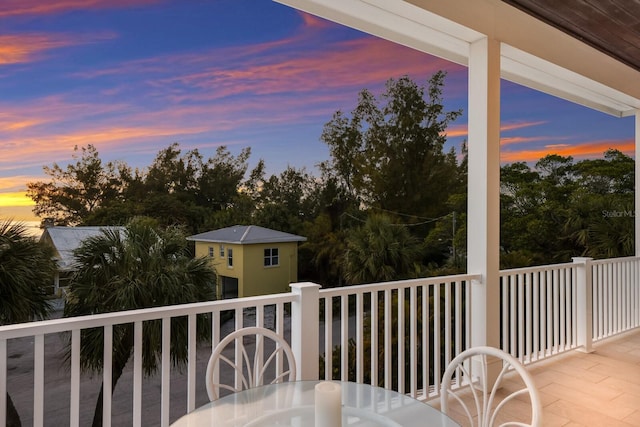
{"points": [[599, 389], [596, 389]]}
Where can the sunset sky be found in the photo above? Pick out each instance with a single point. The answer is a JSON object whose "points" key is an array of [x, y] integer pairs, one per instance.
{"points": [[133, 76]]}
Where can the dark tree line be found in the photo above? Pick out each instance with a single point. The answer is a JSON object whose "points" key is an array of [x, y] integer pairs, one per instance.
{"points": [[389, 194], [562, 208]]}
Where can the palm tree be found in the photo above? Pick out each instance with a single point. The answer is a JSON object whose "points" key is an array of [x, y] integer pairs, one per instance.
{"points": [[138, 267], [26, 271], [380, 251]]}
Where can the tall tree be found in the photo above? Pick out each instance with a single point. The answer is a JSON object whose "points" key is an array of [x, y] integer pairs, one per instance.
{"points": [[77, 190], [184, 188], [389, 153], [26, 272], [140, 268], [284, 201]]}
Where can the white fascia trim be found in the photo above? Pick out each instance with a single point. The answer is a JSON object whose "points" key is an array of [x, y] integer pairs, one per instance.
{"points": [[531, 71], [397, 21]]}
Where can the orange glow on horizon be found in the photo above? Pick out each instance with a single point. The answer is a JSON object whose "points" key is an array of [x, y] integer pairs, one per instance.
{"points": [[15, 199], [594, 149]]}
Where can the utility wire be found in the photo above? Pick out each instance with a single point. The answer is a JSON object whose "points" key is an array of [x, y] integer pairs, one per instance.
{"points": [[430, 220]]}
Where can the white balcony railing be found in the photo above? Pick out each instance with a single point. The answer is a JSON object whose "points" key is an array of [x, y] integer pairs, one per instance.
{"points": [[398, 335]]}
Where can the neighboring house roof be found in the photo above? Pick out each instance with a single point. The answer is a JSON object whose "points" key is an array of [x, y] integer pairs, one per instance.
{"points": [[246, 235], [66, 239]]}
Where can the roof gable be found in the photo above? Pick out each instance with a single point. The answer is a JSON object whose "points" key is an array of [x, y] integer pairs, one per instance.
{"points": [[246, 235], [67, 239]]}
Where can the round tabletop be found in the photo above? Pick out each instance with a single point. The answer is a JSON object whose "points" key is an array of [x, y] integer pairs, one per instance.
{"points": [[292, 403]]}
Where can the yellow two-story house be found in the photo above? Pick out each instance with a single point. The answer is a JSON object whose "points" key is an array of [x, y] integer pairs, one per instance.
{"points": [[250, 260]]}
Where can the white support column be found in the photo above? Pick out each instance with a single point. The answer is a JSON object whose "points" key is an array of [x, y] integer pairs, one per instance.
{"points": [[637, 196], [584, 299], [483, 237], [305, 329]]}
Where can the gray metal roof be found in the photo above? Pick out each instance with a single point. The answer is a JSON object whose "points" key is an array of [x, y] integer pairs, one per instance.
{"points": [[66, 239], [246, 235]]}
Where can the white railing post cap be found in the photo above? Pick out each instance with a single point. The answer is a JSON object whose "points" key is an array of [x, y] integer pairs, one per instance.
{"points": [[304, 285]]}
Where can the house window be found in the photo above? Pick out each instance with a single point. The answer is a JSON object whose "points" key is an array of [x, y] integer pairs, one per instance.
{"points": [[230, 257], [211, 251], [271, 257], [221, 251]]}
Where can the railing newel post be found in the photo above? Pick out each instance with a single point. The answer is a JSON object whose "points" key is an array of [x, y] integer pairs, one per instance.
{"points": [[584, 298], [305, 329]]}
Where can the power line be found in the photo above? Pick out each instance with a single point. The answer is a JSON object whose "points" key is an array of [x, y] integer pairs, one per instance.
{"points": [[430, 220]]}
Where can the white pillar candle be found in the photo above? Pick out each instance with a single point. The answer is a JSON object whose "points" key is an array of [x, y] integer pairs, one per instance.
{"points": [[328, 404]]}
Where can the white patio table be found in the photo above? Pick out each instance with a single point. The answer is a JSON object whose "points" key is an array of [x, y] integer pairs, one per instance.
{"points": [[292, 404]]}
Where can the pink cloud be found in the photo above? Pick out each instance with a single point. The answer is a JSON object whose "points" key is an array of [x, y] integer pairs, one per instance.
{"points": [[505, 127], [47, 7], [23, 48], [524, 139], [20, 48], [61, 145]]}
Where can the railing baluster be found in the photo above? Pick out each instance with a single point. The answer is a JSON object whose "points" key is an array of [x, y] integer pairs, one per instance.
{"points": [[279, 328], [562, 316], [74, 404], [344, 337], [447, 323], [413, 350], [259, 339], [529, 318], [215, 339], [458, 316], [165, 388], [239, 324], [387, 338], [107, 375], [549, 311], [506, 321], [137, 373], [536, 316], [425, 341], [633, 283], [359, 338], [608, 325], [512, 316], [374, 337], [601, 312], [328, 338], [574, 308], [191, 362], [3, 382], [38, 380], [437, 331], [401, 335], [521, 320]]}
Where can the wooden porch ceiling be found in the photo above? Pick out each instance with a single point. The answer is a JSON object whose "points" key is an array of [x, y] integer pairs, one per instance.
{"points": [[611, 26]]}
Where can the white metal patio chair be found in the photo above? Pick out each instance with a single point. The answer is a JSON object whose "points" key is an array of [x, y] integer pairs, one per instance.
{"points": [[278, 365], [467, 373]]}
